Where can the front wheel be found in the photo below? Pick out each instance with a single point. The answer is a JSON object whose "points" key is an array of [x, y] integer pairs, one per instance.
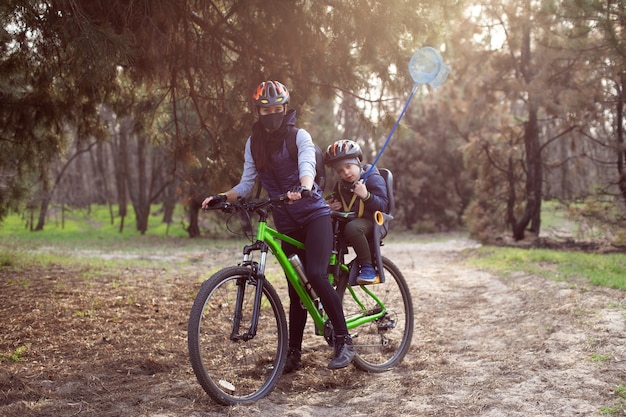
{"points": [[381, 344], [231, 367]]}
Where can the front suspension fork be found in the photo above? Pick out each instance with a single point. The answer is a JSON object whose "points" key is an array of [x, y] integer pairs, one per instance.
{"points": [[256, 277]]}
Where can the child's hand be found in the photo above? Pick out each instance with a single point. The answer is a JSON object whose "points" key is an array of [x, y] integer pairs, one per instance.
{"points": [[334, 205], [360, 190]]}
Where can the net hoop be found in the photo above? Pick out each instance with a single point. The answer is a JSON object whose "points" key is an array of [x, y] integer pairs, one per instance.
{"points": [[427, 67]]}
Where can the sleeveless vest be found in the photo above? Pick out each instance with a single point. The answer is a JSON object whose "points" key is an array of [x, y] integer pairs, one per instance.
{"points": [[282, 176]]}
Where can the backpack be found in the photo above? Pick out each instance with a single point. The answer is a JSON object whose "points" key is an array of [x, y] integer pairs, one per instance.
{"points": [[320, 169], [292, 148]]}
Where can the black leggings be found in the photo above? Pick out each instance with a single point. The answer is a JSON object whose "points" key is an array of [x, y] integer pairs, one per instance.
{"points": [[317, 236]]}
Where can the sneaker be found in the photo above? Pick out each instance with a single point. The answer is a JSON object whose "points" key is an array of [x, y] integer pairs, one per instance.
{"points": [[294, 361], [344, 352], [367, 275]]}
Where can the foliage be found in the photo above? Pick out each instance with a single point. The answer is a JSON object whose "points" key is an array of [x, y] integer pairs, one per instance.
{"points": [[203, 60], [497, 165], [430, 183], [158, 91], [46, 85], [534, 127], [597, 219]]}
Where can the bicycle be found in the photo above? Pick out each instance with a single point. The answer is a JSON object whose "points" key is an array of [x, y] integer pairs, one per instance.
{"points": [[237, 331]]}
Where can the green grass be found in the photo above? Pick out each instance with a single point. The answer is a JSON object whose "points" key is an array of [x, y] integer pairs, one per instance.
{"points": [[606, 270], [555, 217], [600, 358], [592, 219], [88, 238], [15, 356], [92, 223], [91, 230], [620, 402]]}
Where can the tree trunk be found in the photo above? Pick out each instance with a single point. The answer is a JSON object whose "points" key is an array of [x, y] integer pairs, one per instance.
{"points": [[534, 181], [194, 227], [139, 194], [512, 198], [121, 152], [45, 199], [48, 189], [619, 119], [534, 174], [532, 147], [169, 202]]}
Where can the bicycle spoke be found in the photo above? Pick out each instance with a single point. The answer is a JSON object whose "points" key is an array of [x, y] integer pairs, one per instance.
{"points": [[382, 343], [231, 369]]}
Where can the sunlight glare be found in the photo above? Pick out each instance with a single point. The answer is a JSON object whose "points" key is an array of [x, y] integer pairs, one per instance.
{"points": [[492, 32]]}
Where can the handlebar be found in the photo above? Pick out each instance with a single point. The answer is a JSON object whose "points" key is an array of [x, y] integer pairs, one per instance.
{"points": [[250, 206], [267, 204]]}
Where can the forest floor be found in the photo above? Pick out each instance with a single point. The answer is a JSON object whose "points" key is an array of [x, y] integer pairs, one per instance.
{"points": [[102, 344]]}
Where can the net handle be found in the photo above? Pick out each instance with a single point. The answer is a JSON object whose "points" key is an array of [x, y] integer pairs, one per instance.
{"points": [[433, 78], [393, 129]]}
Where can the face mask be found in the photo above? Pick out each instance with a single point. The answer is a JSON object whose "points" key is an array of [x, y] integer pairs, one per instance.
{"points": [[272, 121]]}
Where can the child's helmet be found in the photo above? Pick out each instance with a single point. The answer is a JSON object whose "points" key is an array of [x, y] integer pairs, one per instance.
{"points": [[270, 93], [343, 151]]}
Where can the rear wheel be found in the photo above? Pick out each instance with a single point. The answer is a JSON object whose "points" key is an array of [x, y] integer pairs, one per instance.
{"points": [[383, 343], [230, 369]]}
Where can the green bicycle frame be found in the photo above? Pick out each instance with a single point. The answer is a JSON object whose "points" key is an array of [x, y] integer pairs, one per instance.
{"points": [[273, 238]]}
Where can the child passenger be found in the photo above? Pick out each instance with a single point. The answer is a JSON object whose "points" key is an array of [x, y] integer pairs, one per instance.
{"points": [[351, 194]]}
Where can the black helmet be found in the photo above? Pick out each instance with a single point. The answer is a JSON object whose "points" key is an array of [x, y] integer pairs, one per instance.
{"points": [[342, 152], [270, 93]]}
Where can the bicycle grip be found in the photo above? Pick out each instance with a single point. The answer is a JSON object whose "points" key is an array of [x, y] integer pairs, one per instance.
{"points": [[304, 192], [216, 201]]}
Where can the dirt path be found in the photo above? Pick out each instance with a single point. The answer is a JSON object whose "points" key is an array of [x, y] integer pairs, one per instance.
{"points": [[483, 346]]}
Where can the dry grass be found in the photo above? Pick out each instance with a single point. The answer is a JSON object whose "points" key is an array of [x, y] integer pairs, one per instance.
{"points": [[111, 341]]}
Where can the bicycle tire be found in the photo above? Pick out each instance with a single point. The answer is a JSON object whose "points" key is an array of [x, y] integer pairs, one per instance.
{"points": [[382, 344], [231, 371]]}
